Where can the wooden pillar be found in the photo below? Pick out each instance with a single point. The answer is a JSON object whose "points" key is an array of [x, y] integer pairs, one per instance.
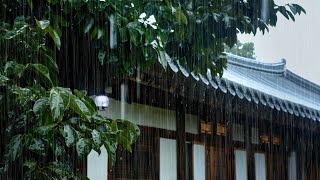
{"points": [[229, 143], [181, 137], [270, 145], [248, 135]]}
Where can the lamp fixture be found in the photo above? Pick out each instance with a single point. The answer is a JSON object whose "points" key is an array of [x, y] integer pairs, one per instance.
{"points": [[102, 102]]}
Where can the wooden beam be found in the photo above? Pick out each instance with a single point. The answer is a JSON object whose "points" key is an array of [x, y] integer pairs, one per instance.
{"points": [[181, 137]]}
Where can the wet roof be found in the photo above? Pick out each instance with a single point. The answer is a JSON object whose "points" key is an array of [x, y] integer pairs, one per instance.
{"points": [[269, 84]]}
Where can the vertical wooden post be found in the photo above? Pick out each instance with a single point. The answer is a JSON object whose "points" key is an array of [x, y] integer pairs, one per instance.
{"points": [[229, 143], [248, 135], [271, 149], [181, 136]]}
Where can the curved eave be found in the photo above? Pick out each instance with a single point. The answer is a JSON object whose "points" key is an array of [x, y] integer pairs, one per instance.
{"points": [[251, 94]]}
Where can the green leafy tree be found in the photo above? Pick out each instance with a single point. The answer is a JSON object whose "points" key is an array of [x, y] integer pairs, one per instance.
{"points": [[242, 49], [48, 127], [137, 33]]}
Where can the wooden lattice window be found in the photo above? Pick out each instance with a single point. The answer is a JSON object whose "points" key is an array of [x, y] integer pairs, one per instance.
{"points": [[217, 164], [140, 164]]}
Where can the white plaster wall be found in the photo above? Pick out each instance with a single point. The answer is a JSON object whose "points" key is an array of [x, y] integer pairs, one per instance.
{"points": [[168, 159], [292, 166], [241, 164], [148, 116], [97, 165], [199, 162], [260, 166]]}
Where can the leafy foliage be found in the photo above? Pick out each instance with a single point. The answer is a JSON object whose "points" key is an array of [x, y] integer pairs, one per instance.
{"points": [[44, 124], [137, 33], [242, 49], [48, 128]]}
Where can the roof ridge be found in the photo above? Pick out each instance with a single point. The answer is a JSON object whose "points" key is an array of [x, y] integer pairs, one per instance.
{"points": [[274, 68], [301, 81]]}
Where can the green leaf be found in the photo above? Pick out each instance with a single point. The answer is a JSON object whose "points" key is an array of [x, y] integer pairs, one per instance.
{"points": [[43, 71], [163, 58], [80, 107], [101, 56], [94, 33], [56, 104], [135, 36], [68, 135], [89, 25], [51, 63], [80, 94], [3, 80], [24, 94], [66, 95], [113, 59], [181, 18], [40, 106], [291, 15], [59, 168], [30, 2], [100, 33], [55, 37], [13, 68], [111, 147], [97, 140], [83, 147], [124, 125], [89, 103], [57, 148], [36, 145], [30, 164], [124, 139], [293, 9], [283, 11], [15, 147], [43, 24], [45, 130], [296, 9]]}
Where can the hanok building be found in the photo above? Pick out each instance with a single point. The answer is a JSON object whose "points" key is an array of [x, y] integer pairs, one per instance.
{"points": [[259, 121]]}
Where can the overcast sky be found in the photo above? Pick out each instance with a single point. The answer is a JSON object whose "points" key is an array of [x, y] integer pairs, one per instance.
{"points": [[297, 42]]}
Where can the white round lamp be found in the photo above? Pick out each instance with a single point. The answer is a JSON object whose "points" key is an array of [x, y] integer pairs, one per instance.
{"points": [[102, 102]]}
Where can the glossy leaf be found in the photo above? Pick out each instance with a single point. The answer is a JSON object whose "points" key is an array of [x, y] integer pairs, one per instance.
{"points": [[43, 71], [68, 135], [40, 106], [15, 147], [56, 104], [43, 24], [181, 18], [96, 137], [80, 107], [13, 68], [83, 147], [55, 37], [36, 145], [89, 25]]}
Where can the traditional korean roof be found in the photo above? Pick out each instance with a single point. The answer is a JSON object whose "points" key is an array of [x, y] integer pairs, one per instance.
{"points": [[269, 84]]}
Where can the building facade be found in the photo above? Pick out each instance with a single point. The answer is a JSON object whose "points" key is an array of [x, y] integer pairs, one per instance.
{"points": [[259, 121]]}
